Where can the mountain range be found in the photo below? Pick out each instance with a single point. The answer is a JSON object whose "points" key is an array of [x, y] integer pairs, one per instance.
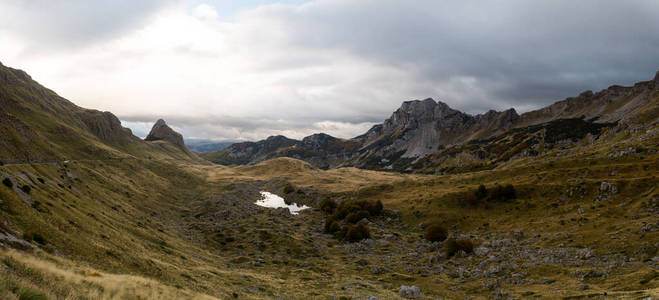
{"points": [[426, 135], [556, 203]]}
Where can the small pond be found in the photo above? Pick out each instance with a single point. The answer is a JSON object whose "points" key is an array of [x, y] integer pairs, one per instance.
{"points": [[273, 201]]}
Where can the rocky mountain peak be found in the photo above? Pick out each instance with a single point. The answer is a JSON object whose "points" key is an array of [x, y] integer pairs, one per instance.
{"points": [[105, 125], [318, 140], [161, 131]]}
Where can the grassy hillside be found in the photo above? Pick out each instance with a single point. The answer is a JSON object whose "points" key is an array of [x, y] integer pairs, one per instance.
{"points": [[186, 230], [37, 125], [88, 211]]}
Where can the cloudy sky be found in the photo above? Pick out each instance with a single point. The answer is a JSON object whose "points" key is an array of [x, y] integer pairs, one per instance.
{"points": [[244, 70]]}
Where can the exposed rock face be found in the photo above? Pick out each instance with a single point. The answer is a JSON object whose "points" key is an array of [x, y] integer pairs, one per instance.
{"points": [[105, 125], [616, 103], [318, 141], [422, 134], [418, 128], [161, 131]]}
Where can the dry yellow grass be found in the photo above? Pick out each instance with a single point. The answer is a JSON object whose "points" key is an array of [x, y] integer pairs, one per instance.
{"points": [[58, 278], [163, 252]]}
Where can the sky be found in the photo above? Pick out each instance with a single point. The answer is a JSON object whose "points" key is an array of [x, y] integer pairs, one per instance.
{"points": [[244, 70]]}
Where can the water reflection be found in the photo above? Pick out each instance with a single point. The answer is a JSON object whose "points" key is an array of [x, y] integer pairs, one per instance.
{"points": [[273, 201]]}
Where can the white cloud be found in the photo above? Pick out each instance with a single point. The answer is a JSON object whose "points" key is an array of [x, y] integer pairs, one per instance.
{"points": [[331, 66], [205, 11]]}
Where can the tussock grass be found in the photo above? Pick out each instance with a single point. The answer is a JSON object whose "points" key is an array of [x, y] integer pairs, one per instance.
{"points": [[27, 276]]}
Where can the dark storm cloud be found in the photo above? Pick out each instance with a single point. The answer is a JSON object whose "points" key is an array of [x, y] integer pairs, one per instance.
{"points": [[520, 52], [326, 65]]}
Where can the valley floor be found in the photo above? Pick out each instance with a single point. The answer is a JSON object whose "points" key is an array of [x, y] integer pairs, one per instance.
{"points": [[583, 225]]}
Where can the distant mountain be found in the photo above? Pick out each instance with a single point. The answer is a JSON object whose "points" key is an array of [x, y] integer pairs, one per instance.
{"points": [[202, 145], [417, 135], [37, 125]]}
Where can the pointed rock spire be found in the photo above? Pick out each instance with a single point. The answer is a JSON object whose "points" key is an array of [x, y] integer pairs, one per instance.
{"points": [[161, 131]]}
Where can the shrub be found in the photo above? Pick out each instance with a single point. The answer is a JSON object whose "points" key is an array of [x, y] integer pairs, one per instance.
{"points": [[355, 217], [471, 199], [7, 182], [357, 233], [26, 189], [33, 236], [453, 246], [288, 188], [346, 208], [509, 192], [374, 208], [481, 192], [501, 193], [328, 206], [436, 233], [332, 226], [30, 294]]}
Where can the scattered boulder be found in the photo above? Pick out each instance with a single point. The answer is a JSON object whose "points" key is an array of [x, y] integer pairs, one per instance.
{"points": [[518, 234], [606, 187], [411, 292], [377, 270]]}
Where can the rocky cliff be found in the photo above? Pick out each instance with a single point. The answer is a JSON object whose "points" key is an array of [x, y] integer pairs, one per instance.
{"points": [[161, 131], [420, 130], [37, 125]]}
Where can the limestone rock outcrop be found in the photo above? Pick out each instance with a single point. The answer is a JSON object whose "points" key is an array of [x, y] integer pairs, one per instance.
{"points": [[161, 131]]}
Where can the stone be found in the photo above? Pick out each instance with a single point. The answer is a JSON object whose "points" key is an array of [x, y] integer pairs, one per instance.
{"points": [[377, 270], [411, 292], [481, 251], [518, 234], [606, 187], [161, 131]]}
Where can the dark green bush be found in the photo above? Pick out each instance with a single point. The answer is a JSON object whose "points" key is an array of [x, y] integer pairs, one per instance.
{"points": [[351, 211], [30, 294], [34, 236], [7, 182], [328, 206], [357, 232], [374, 208], [509, 192], [436, 233], [502, 193], [481, 192], [334, 227], [471, 199], [496, 194], [355, 217], [344, 209], [26, 189], [288, 188], [330, 227], [453, 246]]}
